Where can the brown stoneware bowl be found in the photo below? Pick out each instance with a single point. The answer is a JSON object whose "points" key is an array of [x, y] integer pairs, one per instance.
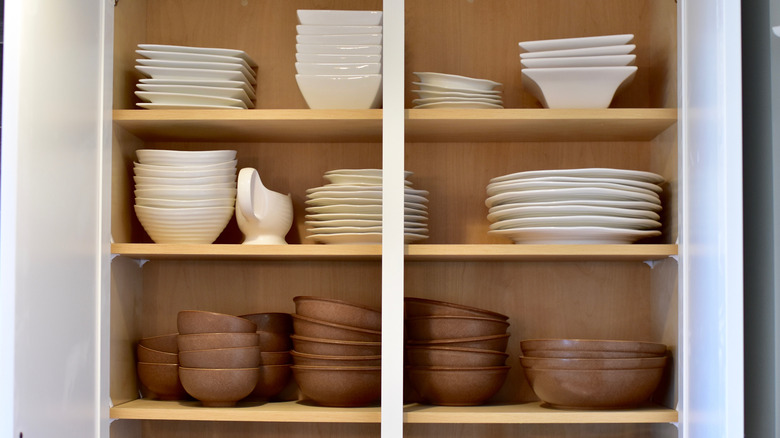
{"points": [[451, 386], [272, 379], [426, 328], [208, 341], [585, 354], [238, 357], [415, 307], [162, 379], [164, 343], [594, 388], [274, 341], [339, 312], [493, 342], [275, 358], [592, 364], [155, 356], [276, 322], [530, 345], [198, 321], [339, 386], [454, 357], [334, 347], [335, 361], [217, 386], [315, 328]]}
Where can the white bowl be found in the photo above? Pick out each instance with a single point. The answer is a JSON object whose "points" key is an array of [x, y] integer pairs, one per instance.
{"points": [[623, 49], [185, 193], [457, 100], [339, 17], [576, 87], [164, 215], [456, 81], [309, 29], [308, 68], [340, 49], [147, 180], [335, 39], [575, 43], [185, 186], [185, 203], [183, 158], [174, 172], [187, 225], [580, 61], [428, 94], [333, 58], [430, 87], [225, 165], [341, 91]]}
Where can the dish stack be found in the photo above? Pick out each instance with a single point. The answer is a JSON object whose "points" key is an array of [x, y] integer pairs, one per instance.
{"points": [[455, 355], [578, 72], [158, 367], [195, 77], [339, 58], [571, 206], [273, 339], [440, 90], [349, 208], [184, 196], [331, 337], [593, 374]]}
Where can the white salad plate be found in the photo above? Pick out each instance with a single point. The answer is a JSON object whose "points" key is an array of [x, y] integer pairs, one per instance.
{"points": [[360, 238], [456, 81], [312, 29], [361, 172], [430, 87], [339, 39], [427, 94], [575, 43], [329, 17], [249, 75], [331, 58], [463, 105], [580, 61], [635, 205], [577, 221], [345, 188], [570, 194], [168, 106], [193, 57], [525, 211], [360, 201], [343, 216], [202, 83], [576, 87], [360, 209], [591, 172], [623, 181], [205, 50], [425, 101], [192, 73], [574, 235], [168, 157], [189, 99], [230, 93], [339, 179], [358, 196], [346, 229], [526, 185], [340, 49], [623, 49]]}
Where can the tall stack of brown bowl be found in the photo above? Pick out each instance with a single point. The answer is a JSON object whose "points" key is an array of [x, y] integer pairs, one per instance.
{"points": [[158, 367], [337, 351], [273, 334], [455, 354], [218, 355]]}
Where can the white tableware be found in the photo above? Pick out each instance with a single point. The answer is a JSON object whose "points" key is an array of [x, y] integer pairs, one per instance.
{"points": [[227, 179], [587, 172], [312, 29], [524, 211], [572, 179], [364, 194], [205, 50], [351, 68], [224, 92], [638, 205], [263, 216], [189, 99], [456, 81], [430, 87], [336, 39], [344, 216], [192, 215], [570, 194], [249, 75], [243, 85], [185, 203], [341, 92], [588, 51], [167, 225], [428, 94], [185, 193], [577, 221], [331, 58], [339, 17], [362, 172], [342, 49], [425, 101], [525, 185], [358, 210], [174, 172], [344, 188], [172, 106], [459, 105], [167, 157], [575, 43], [191, 74], [574, 235], [225, 166], [576, 87], [141, 186], [580, 61], [193, 57]]}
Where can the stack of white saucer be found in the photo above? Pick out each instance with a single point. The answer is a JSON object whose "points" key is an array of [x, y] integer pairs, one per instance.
{"points": [[441, 90]]}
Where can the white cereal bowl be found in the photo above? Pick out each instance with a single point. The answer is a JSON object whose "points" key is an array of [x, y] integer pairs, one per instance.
{"points": [[224, 165], [210, 186], [341, 91], [187, 193], [456, 81], [576, 87], [340, 49], [309, 29], [339, 17], [183, 158], [153, 180], [337, 68], [336, 39], [189, 225], [185, 203], [174, 172], [580, 61], [332, 58]]}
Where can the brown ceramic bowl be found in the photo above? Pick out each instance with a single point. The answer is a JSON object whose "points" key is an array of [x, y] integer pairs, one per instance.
{"points": [[315, 328], [427, 328], [454, 357], [276, 322], [592, 364], [415, 307], [218, 387], [272, 379], [238, 357], [529, 345], [339, 312], [494, 342], [333, 347], [450, 386], [594, 388], [585, 354], [274, 341], [154, 356], [339, 386], [208, 341], [275, 358], [335, 361], [198, 321], [162, 379], [164, 343]]}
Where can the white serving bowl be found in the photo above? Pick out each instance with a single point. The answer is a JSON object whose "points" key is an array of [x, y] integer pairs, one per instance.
{"points": [[580, 61], [339, 17], [456, 81], [153, 180], [340, 49], [187, 193], [341, 91], [309, 29], [183, 158], [224, 165], [188, 225], [174, 172], [310, 68], [576, 87], [575, 43], [185, 203], [333, 58], [335, 39]]}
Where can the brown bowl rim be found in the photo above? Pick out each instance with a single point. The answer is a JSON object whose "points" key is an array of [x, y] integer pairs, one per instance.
{"points": [[435, 342], [219, 314], [217, 369], [156, 351], [457, 349], [325, 357], [454, 317], [334, 368], [336, 341], [335, 325], [440, 368], [653, 346], [458, 306], [337, 301]]}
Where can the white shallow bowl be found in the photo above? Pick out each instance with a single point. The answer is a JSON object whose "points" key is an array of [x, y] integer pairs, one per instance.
{"points": [[186, 193], [457, 100], [459, 105], [226, 166], [310, 29], [340, 49], [174, 172], [431, 87], [339, 17], [336, 39], [330, 58], [184, 181], [576, 87], [311, 68], [623, 49], [456, 81], [341, 91], [576, 43], [580, 61], [427, 94], [183, 158], [184, 203]]}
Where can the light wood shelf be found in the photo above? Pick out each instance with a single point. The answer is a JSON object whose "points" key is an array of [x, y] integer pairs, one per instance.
{"points": [[247, 252], [536, 413]]}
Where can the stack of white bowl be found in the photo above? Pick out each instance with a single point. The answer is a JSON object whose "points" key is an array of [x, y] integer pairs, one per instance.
{"points": [[184, 196], [578, 72], [339, 58], [349, 208], [441, 90], [195, 77], [571, 206]]}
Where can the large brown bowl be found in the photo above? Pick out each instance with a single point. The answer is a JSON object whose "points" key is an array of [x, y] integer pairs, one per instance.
{"points": [[315, 328], [530, 345], [334, 347], [275, 358], [454, 357], [450, 386], [208, 341], [272, 379], [339, 386], [164, 343], [585, 354], [339, 312], [162, 379], [274, 341], [199, 321], [238, 357], [594, 388], [276, 322], [592, 364], [218, 387], [335, 361], [494, 342], [426, 328], [415, 307], [155, 356]]}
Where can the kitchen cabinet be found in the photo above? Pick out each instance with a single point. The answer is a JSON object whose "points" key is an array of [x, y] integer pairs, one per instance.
{"points": [[677, 119]]}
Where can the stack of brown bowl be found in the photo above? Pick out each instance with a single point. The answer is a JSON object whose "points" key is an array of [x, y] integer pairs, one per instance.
{"points": [[273, 335], [455, 355], [158, 367], [593, 374], [218, 355], [337, 351]]}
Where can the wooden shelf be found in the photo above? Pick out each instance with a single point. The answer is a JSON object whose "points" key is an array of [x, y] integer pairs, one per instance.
{"points": [[151, 251], [508, 125], [278, 412], [537, 413], [510, 252]]}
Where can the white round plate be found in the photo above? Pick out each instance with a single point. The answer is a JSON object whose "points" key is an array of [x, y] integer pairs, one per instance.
{"points": [[363, 194], [428, 94], [362, 172], [225, 166], [353, 210], [574, 235], [526, 185], [459, 105], [637, 175], [575, 43], [340, 188], [570, 194], [456, 81], [628, 182], [577, 221], [524, 211], [635, 205]]}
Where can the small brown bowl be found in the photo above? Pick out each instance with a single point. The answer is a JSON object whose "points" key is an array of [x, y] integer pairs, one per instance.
{"points": [[450, 386], [218, 387], [271, 381], [427, 328], [494, 342], [208, 341], [164, 343], [275, 358], [335, 361], [238, 357], [315, 328], [333, 347], [339, 312], [591, 345], [162, 379], [592, 364], [415, 307], [274, 341], [585, 354], [199, 321], [339, 386], [155, 356], [454, 357], [276, 322]]}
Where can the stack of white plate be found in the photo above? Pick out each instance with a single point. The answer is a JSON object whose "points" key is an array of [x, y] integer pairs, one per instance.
{"points": [[195, 77], [339, 58], [578, 72], [572, 206], [349, 208], [441, 90], [184, 196]]}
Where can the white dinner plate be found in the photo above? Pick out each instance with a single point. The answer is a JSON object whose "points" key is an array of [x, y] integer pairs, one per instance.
{"points": [[192, 73], [523, 211], [366, 194], [249, 75], [167, 106], [430, 87], [202, 83], [189, 99], [574, 235], [357, 223], [637, 205], [623, 49], [360, 209], [623, 181], [340, 179], [580, 61], [423, 101], [526, 185], [594, 172], [193, 57], [463, 105], [575, 43], [410, 217], [231, 93], [569, 194], [205, 50], [360, 201], [577, 221], [360, 238]]}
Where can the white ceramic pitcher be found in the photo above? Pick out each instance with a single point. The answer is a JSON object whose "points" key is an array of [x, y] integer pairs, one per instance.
{"points": [[263, 216]]}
